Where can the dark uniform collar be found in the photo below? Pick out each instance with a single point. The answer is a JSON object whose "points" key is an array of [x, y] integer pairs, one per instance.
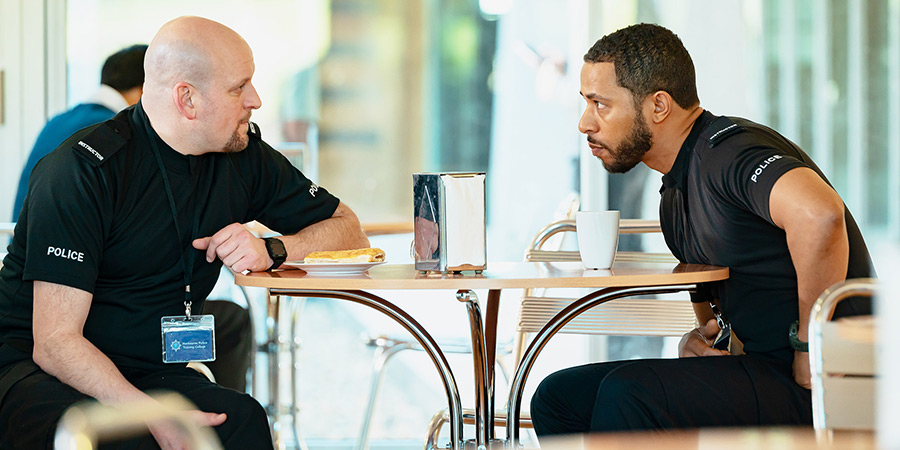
{"points": [[174, 161], [676, 178]]}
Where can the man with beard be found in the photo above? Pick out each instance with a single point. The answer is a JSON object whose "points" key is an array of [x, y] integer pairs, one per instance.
{"points": [[734, 194], [130, 221]]}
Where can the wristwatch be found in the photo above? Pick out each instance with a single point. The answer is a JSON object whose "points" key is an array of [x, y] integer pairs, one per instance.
{"points": [[796, 343], [276, 251]]}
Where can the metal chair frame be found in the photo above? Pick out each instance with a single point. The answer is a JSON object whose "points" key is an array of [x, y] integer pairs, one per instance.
{"points": [[619, 316], [856, 376]]}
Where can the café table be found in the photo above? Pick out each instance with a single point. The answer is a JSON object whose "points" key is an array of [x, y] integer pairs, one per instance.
{"points": [[624, 279]]}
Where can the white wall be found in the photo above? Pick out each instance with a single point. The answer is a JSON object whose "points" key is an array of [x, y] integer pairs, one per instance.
{"points": [[30, 63]]}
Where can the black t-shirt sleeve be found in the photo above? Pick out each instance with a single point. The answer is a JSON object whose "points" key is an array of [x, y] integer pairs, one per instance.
{"points": [[64, 220], [746, 177], [282, 197]]}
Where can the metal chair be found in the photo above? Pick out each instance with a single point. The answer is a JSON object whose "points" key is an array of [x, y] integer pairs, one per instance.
{"points": [[842, 362], [625, 316]]}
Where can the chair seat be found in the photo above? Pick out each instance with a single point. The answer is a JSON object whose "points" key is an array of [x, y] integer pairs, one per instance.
{"points": [[627, 316]]}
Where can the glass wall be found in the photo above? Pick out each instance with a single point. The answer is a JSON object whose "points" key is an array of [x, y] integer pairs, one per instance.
{"points": [[832, 86]]}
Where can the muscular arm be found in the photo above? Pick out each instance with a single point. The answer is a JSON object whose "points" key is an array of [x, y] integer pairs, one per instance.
{"points": [[341, 231], [240, 250], [812, 216], [61, 350]]}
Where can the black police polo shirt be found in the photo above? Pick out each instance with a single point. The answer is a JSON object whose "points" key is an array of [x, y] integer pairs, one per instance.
{"points": [[715, 210], [97, 218]]}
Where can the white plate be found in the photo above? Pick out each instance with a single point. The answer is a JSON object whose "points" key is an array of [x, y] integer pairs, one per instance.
{"points": [[333, 269]]}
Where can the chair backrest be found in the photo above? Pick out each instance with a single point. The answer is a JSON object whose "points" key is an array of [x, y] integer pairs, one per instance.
{"points": [[626, 316], [842, 361]]}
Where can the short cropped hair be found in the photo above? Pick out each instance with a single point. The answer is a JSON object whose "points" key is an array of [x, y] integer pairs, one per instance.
{"points": [[124, 69], [648, 58]]}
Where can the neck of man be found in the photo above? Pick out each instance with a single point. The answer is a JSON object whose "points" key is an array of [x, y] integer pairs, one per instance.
{"points": [[169, 133], [669, 136]]}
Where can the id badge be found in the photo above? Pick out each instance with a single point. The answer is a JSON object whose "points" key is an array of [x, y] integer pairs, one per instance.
{"points": [[186, 339]]}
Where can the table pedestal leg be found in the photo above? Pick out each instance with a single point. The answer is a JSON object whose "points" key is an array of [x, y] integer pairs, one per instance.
{"points": [[271, 348], [484, 346], [428, 343]]}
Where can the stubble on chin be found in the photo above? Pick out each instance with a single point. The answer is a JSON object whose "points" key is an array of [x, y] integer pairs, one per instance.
{"points": [[237, 143]]}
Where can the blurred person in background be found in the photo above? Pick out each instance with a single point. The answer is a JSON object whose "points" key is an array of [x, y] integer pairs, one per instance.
{"points": [[121, 85]]}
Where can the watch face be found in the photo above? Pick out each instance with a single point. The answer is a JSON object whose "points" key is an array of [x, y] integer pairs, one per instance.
{"points": [[275, 248]]}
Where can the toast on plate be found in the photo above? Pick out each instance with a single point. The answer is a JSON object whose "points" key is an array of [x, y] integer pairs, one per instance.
{"points": [[360, 255]]}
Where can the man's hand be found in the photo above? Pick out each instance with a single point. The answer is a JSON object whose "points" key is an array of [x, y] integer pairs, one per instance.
{"points": [[801, 369], [699, 341], [170, 436], [237, 248]]}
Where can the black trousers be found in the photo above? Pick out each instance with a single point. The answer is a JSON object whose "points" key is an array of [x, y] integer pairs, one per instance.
{"points": [[658, 394], [33, 406]]}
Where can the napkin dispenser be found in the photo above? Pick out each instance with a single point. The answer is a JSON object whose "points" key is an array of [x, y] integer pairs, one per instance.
{"points": [[449, 222]]}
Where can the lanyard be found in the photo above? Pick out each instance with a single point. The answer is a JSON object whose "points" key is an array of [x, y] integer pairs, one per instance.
{"points": [[723, 340], [187, 262]]}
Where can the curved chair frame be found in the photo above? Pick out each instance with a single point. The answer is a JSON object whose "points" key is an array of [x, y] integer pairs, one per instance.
{"points": [[577, 307], [423, 338], [547, 316], [818, 317]]}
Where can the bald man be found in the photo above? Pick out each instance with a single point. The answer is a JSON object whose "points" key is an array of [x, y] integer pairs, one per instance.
{"points": [[129, 223]]}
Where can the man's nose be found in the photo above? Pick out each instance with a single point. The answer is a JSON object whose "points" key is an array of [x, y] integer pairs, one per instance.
{"points": [[587, 124], [252, 100]]}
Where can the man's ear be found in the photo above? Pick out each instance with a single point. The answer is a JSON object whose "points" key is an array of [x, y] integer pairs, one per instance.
{"points": [[660, 105], [184, 96]]}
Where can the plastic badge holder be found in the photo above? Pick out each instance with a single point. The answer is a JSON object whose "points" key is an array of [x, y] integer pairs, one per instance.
{"points": [[188, 339]]}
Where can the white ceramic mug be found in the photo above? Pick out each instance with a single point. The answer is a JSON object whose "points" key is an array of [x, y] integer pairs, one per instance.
{"points": [[598, 237]]}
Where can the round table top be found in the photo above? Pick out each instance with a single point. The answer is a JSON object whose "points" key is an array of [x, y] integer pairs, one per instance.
{"points": [[499, 275]]}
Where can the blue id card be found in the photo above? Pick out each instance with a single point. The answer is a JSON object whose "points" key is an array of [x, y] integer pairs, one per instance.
{"points": [[187, 339]]}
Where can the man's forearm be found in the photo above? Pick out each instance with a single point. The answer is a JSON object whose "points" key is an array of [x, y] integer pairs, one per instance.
{"points": [[78, 363], [61, 350], [339, 232]]}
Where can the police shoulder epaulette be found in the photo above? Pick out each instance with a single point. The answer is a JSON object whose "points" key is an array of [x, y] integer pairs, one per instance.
{"points": [[723, 133], [103, 141], [254, 132]]}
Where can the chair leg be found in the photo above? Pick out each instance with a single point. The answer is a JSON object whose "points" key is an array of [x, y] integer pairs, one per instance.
{"points": [[251, 372], [434, 428], [384, 350], [297, 304], [443, 416]]}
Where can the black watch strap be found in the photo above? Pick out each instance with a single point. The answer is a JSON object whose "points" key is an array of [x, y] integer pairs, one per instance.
{"points": [[795, 341], [276, 251]]}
